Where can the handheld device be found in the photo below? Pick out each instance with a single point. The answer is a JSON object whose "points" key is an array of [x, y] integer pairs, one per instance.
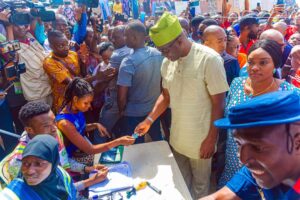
{"points": [[280, 2]]}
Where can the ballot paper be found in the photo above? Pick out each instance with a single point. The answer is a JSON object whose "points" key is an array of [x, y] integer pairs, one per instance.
{"points": [[119, 178]]}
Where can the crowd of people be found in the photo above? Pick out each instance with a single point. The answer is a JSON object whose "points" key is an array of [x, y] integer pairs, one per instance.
{"points": [[222, 89]]}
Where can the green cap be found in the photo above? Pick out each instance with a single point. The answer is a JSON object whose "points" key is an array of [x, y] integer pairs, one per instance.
{"points": [[165, 30]]}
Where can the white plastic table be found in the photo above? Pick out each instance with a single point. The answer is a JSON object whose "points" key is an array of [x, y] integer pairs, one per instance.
{"points": [[154, 162]]}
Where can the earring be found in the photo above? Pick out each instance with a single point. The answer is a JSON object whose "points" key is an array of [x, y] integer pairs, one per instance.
{"points": [[274, 71]]}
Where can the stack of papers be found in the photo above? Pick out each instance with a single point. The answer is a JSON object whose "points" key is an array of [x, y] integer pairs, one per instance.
{"points": [[119, 178]]}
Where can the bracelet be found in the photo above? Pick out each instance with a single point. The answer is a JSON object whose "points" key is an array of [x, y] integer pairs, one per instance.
{"points": [[150, 119]]}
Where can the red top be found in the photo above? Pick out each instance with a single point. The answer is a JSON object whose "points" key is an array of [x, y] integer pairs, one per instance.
{"points": [[290, 31], [296, 187], [249, 45], [225, 24]]}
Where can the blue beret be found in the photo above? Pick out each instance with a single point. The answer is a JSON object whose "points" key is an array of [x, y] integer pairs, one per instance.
{"points": [[281, 107]]}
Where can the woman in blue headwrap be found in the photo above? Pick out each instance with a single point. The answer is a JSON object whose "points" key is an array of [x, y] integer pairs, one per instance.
{"points": [[41, 178]]}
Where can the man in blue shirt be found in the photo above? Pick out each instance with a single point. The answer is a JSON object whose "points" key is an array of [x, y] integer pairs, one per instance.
{"points": [[138, 83], [267, 131], [215, 37], [110, 112]]}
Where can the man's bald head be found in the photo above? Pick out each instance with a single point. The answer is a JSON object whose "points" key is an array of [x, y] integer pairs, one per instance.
{"points": [[274, 35], [135, 34], [281, 27], [215, 38], [211, 31], [137, 27]]}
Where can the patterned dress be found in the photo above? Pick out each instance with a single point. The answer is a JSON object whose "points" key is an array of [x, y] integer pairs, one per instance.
{"points": [[235, 97], [58, 70]]}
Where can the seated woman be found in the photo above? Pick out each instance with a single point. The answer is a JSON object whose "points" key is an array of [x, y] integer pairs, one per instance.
{"points": [[38, 119], [41, 177], [71, 121]]}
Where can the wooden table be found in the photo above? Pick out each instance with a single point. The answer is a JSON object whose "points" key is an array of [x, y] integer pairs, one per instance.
{"points": [[154, 162]]}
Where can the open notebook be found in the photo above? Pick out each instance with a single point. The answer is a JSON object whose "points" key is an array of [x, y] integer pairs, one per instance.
{"points": [[119, 178]]}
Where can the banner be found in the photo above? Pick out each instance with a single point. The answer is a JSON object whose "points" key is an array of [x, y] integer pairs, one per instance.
{"points": [[195, 8], [212, 6]]}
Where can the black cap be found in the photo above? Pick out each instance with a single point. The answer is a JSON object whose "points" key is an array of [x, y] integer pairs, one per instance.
{"points": [[197, 20], [248, 20]]}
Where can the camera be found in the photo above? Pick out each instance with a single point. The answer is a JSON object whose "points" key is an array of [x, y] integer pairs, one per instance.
{"points": [[10, 46], [13, 70], [18, 18], [22, 18], [89, 3], [39, 10], [12, 67]]}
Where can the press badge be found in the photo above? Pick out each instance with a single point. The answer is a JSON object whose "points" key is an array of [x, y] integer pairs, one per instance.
{"points": [[63, 158]]}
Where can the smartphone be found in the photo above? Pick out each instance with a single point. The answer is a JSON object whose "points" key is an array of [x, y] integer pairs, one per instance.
{"points": [[280, 2], [100, 26], [10, 71]]}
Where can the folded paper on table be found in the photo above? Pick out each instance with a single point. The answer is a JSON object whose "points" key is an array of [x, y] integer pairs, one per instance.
{"points": [[119, 178]]}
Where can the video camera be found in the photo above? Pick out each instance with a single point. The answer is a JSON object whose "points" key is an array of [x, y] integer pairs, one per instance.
{"points": [[10, 46], [22, 18], [39, 10], [88, 3], [12, 67]]}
